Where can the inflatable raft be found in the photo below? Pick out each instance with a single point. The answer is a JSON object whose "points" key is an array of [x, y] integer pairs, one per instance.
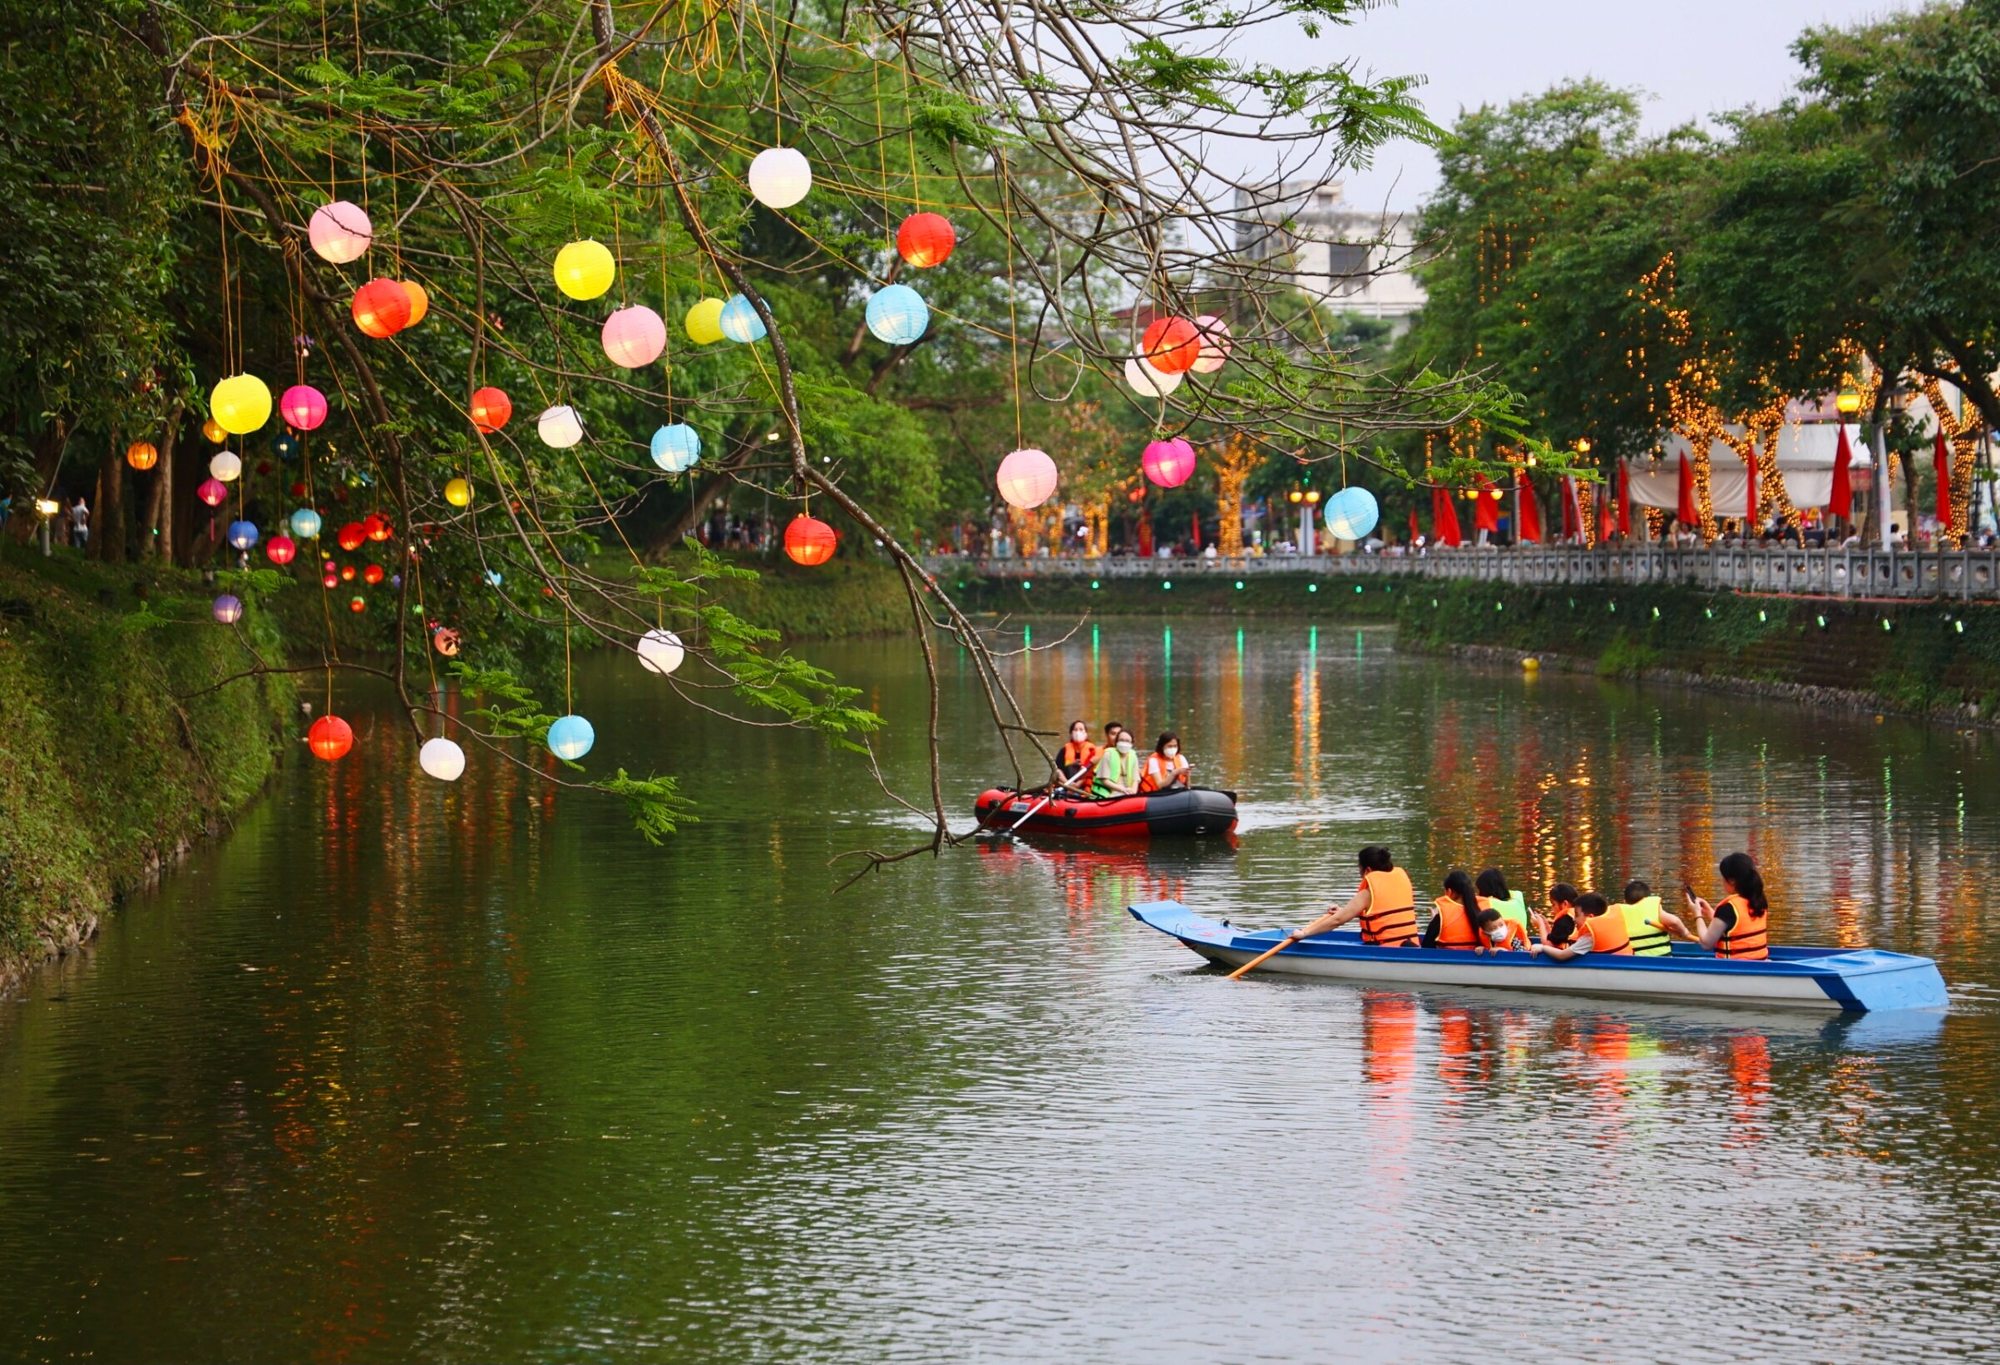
{"points": [[1857, 979], [1149, 815]]}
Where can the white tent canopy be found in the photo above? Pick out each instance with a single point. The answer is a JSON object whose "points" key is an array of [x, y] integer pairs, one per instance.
{"points": [[1806, 452]]}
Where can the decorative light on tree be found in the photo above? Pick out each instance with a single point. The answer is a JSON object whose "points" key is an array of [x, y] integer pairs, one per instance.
{"points": [[226, 466], [1171, 345], [780, 177], [490, 409], [351, 536], [280, 549], [925, 239], [381, 308], [676, 447], [340, 232], [1027, 478], [329, 738], [420, 301], [898, 315], [704, 322], [227, 609], [570, 738], [458, 492], [559, 427], [634, 336], [241, 404], [142, 455], [306, 524], [739, 321], [1215, 343], [375, 526], [357, 603], [242, 535], [1351, 514], [441, 758], [212, 492], [285, 445], [809, 541], [1169, 463], [660, 651], [585, 269], [1148, 382]]}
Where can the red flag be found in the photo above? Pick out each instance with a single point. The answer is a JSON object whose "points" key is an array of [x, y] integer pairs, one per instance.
{"points": [[1196, 517], [1750, 521], [1573, 505], [1687, 513], [1841, 504], [1943, 462], [1444, 518], [1605, 520], [1486, 507], [1531, 515], [1414, 532], [1624, 499]]}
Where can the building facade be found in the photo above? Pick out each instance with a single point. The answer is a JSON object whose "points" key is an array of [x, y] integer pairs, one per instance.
{"points": [[1354, 260]]}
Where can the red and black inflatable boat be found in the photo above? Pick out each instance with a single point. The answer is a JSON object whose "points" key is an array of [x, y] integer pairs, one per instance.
{"points": [[1149, 815]]}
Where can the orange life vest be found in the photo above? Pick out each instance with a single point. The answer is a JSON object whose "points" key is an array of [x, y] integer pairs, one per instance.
{"points": [[1390, 921], [1750, 937], [1607, 933], [1455, 926], [1077, 757], [1158, 772], [1515, 940]]}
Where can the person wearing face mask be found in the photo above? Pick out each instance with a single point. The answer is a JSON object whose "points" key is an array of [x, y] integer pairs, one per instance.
{"points": [[1500, 934], [1165, 770], [1078, 757], [1118, 769]]}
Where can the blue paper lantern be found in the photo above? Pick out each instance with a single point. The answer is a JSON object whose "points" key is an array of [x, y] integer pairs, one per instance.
{"points": [[739, 321], [676, 447], [227, 609], [570, 738], [284, 445], [898, 315], [242, 534], [1351, 514], [493, 577], [305, 523]]}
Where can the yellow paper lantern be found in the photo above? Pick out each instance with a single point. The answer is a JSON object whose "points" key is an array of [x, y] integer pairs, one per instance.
{"points": [[420, 301], [458, 493], [212, 429], [241, 403], [584, 270], [704, 322]]}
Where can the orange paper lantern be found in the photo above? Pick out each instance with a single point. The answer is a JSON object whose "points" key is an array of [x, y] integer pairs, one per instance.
{"points": [[141, 455], [420, 302], [925, 239], [373, 573], [490, 409], [381, 308], [809, 541], [374, 526], [330, 738], [1171, 345]]}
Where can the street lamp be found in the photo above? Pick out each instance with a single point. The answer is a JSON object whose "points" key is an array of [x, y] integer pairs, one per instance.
{"points": [[1848, 401], [1583, 445], [46, 509]]}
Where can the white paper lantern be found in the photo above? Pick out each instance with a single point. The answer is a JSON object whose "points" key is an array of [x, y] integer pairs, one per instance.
{"points": [[1214, 343], [1148, 382], [225, 466], [442, 759], [780, 177], [634, 336], [661, 651], [1027, 478], [560, 427], [340, 232]]}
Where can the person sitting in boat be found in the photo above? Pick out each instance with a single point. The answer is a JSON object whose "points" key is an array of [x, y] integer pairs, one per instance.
{"points": [[1559, 926], [1118, 766], [1078, 757], [1501, 934], [1452, 924], [1601, 931], [1740, 927], [1165, 770], [1653, 927], [1494, 895], [1385, 903]]}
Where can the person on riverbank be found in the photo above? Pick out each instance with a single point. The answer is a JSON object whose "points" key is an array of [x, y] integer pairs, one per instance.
{"points": [[1600, 931], [1165, 769], [1652, 927], [1491, 886], [1118, 766], [1385, 904], [1078, 757], [1740, 927], [1559, 926], [1452, 924]]}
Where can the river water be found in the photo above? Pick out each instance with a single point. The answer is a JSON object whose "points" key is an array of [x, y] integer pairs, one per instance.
{"points": [[402, 1071]]}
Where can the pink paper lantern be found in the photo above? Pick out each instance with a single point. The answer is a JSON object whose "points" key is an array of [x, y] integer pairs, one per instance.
{"points": [[1027, 478], [1214, 343], [340, 232], [634, 336], [1169, 463], [212, 492], [303, 406]]}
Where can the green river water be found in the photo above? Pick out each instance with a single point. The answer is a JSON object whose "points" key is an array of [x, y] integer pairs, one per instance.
{"points": [[407, 1071]]}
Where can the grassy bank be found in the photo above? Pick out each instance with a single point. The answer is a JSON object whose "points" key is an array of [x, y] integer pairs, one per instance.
{"points": [[111, 760]]}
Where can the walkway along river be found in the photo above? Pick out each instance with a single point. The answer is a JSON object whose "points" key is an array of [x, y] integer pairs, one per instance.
{"points": [[408, 1071]]}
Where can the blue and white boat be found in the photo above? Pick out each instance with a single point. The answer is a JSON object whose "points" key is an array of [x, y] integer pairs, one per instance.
{"points": [[1851, 979]]}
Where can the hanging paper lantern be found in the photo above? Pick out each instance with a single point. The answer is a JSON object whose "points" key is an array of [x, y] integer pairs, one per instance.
{"points": [[1148, 382], [570, 737], [141, 455], [347, 573], [225, 466], [493, 578], [303, 406], [381, 308], [1214, 343], [351, 536], [227, 609], [1171, 345], [780, 177], [280, 549], [298, 488], [212, 429], [634, 336], [442, 759], [329, 738], [458, 492], [584, 270], [676, 447], [284, 445], [305, 524], [1168, 463], [925, 239], [559, 427], [661, 651], [739, 321], [420, 301], [1351, 514], [1027, 478], [898, 314], [809, 541], [241, 535], [212, 492], [704, 322], [241, 403], [329, 578], [490, 409], [375, 527], [446, 640], [340, 232], [373, 574], [357, 603]]}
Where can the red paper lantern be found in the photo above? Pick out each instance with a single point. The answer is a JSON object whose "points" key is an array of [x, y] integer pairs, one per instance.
{"points": [[330, 738], [280, 549], [357, 603], [351, 536], [925, 239], [809, 541], [372, 574], [490, 409], [374, 527], [1171, 345], [212, 492], [381, 308], [332, 579], [347, 573], [299, 488]]}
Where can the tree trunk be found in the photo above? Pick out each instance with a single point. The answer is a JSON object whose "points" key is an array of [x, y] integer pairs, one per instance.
{"points": [[107, 529], [156, 527]]}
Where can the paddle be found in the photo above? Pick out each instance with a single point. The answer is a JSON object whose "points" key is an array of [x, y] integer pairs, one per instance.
{"points": [[1062, 786], [1262, 958]]}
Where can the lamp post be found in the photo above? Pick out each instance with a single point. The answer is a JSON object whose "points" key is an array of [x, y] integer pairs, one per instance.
{"points": [[1847, 402], [46, 509]]}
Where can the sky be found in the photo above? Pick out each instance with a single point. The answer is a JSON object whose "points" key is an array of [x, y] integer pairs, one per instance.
{"points": [[1690, 57]]}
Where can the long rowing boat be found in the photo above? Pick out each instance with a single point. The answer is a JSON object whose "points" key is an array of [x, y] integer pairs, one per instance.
{"points": [[1857, 979]]}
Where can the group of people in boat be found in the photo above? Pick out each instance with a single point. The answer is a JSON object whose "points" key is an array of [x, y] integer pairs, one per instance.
{"points": [[1481, 915], [1115, 768]]}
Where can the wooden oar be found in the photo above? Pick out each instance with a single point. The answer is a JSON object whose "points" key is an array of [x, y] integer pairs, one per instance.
{"points": [[1262, 958], [1063, 786]]}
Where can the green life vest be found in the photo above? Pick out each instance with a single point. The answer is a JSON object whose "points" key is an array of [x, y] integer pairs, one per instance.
{"points": [[1514, 910], [1642, 922], [1121, 767]]}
